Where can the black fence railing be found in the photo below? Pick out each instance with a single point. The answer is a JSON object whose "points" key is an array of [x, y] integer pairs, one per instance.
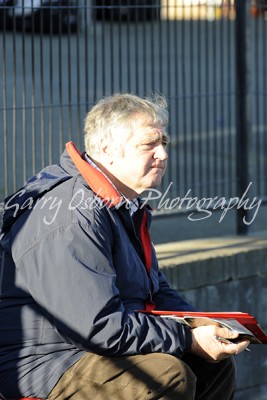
{"points": [[208, 58]]}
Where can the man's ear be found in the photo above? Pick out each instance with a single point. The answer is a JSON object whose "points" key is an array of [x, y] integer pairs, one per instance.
{"points": [[107, 152]]}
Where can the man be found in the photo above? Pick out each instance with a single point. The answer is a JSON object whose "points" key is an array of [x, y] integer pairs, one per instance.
{"points": [[77, 266]]}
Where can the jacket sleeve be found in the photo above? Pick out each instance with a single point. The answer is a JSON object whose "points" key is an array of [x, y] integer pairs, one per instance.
{"points": [[169, 299], [70, 274]]}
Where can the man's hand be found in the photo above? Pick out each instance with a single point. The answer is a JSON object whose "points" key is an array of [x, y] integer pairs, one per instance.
{"points": [[205, 344]]}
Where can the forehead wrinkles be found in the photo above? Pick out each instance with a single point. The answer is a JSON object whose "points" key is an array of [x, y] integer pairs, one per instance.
{"points": [[152, 134], [143, 129]]}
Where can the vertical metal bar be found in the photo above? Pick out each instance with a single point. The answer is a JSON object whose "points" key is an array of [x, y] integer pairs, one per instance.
{"points": [[24, 100], [214, 102], [221, 101], [5, 110], [51, 85], [86, 12], [42, 114], [60, 85], [78, 81], [136, 37], [103, 53], [191, 101], [95, 54], [184, 98], [152, 52], [175, 137], [200, 159], [117, 15], [256, 108], [33, 99], [160, 56], [264, 105], [207, 106], [128, 54], [243, 125], [70, 72], [169, 43], [230, 109], [144, 41], [14, 110]]}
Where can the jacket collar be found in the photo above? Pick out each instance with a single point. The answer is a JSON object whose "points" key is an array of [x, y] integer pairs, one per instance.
{"points": [[97, 181]]}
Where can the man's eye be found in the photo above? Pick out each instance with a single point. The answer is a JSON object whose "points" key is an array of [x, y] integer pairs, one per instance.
{"points": [[148, 145], [165, 140]]}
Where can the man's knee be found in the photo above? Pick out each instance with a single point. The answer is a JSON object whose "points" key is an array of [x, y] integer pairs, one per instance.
{"points": [[172, 378]]}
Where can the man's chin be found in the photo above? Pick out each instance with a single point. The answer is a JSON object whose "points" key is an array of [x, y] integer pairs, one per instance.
{"points": [[155, 184]]}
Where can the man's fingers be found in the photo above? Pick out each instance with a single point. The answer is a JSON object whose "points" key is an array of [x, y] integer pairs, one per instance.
{"points": [[227, 333], [242, 346], [232, 347]]}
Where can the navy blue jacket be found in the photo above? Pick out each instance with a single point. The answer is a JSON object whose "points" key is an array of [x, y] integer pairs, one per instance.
{"points": [[72, 277]]}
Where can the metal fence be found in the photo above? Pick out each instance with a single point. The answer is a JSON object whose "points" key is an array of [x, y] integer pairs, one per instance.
{"points": [[207, 57]]}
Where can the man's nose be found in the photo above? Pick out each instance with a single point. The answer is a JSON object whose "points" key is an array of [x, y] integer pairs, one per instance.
{"points": [[161, 153]]}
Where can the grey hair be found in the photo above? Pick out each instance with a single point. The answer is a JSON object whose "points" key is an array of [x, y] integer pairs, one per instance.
{"points": [[119, 111]]}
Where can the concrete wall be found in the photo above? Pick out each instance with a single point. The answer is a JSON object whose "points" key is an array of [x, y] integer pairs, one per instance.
{"points": [[226, 274]]}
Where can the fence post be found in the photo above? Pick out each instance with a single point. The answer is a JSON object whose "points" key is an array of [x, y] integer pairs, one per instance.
{"points": [[243, 122]]}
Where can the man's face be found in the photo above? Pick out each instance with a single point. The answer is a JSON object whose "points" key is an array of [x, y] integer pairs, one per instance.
{"points": [[143, 161]]}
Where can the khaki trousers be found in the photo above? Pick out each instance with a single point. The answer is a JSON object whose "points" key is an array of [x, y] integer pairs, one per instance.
{"points": [[145, 377]]}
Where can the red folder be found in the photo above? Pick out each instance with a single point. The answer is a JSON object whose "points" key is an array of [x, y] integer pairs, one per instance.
{"points": [[245, 319]]}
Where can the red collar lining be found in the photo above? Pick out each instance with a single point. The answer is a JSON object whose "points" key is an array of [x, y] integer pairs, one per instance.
{"points": [[95, 179]]}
